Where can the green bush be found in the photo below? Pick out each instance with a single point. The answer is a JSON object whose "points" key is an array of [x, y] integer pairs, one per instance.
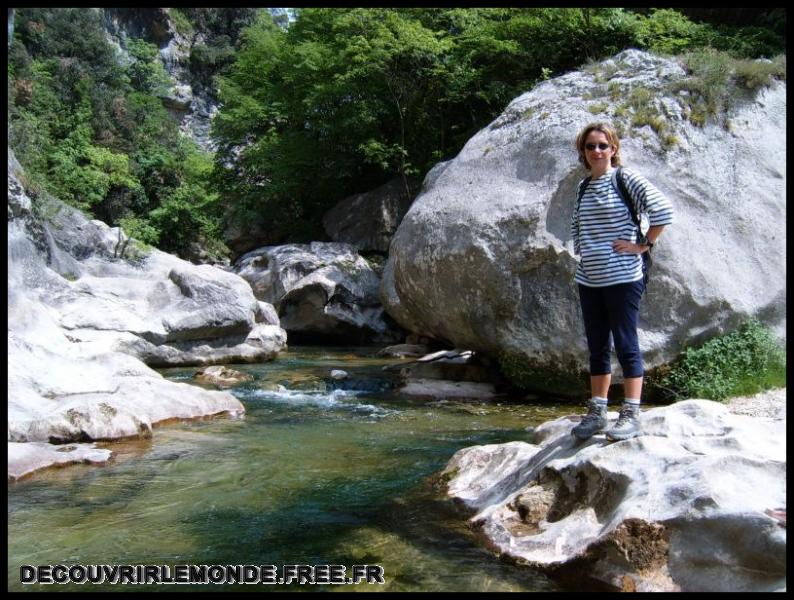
{"points": [[146, 72], [714, 78], [744, 362], [181, 22], [667, 31]]}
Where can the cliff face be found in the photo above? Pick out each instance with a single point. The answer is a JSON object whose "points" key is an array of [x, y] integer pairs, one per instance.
{"points": [[192, 99], [10, 25]]}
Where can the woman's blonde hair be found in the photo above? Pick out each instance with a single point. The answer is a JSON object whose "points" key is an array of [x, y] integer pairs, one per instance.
{"points": [[612, 138]]}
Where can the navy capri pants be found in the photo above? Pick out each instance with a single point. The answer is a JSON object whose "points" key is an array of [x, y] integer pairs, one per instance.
{"points": [[613, 312]]}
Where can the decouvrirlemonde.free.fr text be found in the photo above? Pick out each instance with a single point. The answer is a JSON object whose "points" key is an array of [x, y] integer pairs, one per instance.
{"points": [[167, 574]]}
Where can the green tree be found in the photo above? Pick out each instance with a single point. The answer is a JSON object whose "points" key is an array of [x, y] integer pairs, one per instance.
{"points": [[92, 132], [146, 72]]}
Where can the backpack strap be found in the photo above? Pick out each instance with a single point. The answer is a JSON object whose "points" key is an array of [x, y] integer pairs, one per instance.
{"points": [[582, 189], [623, 192]]}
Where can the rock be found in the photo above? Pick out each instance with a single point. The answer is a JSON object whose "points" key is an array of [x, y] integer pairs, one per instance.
{"points": [[267, 314], [222, 376], [81, 321], [198, 254], [771, 404], [417, 340], [322, 291], [403, 350], [302, 382], [687, 506], [441, 388], [178, 98], [452, 365], [483, 257], [339, 374], [61, 391], [24, 459], [243, 237], [368, 221], [154, 306]]}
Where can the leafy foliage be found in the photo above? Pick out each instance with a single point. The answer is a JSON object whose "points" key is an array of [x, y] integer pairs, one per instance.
{"points": [[746, 361], [146, 72], [92, 131], [715, 79], [347, 99], [339, 103]]}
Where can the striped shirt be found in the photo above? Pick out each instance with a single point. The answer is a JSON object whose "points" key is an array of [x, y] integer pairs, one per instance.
{"points": [[602, 218]]}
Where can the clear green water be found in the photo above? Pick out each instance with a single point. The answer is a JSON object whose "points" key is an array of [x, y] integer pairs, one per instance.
{"points": [[306, 477]]}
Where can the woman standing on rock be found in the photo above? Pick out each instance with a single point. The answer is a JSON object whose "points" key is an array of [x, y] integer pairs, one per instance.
{"points": [[610, 274]]}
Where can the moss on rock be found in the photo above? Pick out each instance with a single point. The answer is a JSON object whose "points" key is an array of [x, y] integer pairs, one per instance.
{"points": [[528, 373]]}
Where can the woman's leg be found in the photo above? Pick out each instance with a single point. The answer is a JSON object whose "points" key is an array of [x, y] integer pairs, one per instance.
{"points": [[624, 307], [596, 325], [599, 385], [596, 318], [632, 387]]}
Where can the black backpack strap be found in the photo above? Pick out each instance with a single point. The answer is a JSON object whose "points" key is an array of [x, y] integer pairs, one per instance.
{"points": [[623, 191], [582, 189]]}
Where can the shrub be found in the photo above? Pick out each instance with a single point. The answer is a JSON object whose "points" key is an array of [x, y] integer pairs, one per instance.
{"points": [[669, 140], [181, 22], [146, 72], [667, 31], [746, 361], [709, 83], [615, 91], [754, 74]]}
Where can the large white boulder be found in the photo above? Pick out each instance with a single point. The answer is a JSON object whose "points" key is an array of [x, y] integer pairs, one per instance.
{"points": [[690, 505], [484, 260], [155, 306]]}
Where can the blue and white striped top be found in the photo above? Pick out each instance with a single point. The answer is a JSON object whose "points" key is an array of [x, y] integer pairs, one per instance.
{"points": [[602, 218]]}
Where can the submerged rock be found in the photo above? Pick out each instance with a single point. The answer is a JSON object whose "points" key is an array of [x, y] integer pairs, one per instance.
{"points": [[24, 459], [222, 376], [687, 506]]}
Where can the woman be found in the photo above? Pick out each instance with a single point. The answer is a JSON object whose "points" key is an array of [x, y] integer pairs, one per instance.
{"points": [[610, 274]]}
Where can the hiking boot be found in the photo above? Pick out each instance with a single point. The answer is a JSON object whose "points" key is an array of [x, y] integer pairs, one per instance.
{"points": [[593, 422], [627, 426]]}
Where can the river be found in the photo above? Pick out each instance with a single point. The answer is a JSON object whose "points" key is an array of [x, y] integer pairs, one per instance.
{"points": [[310, 475]]}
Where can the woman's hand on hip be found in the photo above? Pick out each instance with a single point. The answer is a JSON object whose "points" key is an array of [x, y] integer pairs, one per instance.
{"points": [[627, 247]]}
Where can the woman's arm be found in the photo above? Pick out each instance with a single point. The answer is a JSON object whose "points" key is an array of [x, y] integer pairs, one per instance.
{"points": [[632, 248]]}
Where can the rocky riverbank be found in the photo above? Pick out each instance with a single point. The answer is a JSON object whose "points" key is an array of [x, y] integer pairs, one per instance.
{"points": [[88, 316], [697, 503]]}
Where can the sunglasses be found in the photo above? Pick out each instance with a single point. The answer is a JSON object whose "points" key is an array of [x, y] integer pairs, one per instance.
{"points": [[600, 146]]}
